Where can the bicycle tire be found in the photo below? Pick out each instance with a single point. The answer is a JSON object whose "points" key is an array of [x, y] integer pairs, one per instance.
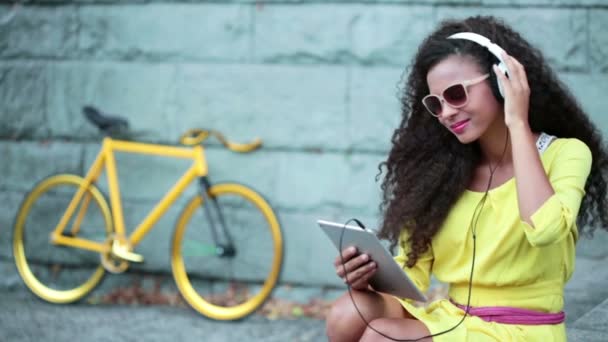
{"points": [[31, 267], [228, 195]]}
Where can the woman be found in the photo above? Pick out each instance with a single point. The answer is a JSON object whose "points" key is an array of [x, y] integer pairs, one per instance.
{"points": [[483, 190]]}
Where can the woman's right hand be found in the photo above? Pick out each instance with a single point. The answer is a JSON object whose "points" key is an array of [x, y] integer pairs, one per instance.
{"points": [[359, 268]]}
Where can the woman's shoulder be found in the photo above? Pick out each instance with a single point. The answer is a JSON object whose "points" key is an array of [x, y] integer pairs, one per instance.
{"points": [[568, 147], [567, 152]]}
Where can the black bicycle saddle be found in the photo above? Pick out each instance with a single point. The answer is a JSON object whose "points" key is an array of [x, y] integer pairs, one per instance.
{"points": [[104, 122]]}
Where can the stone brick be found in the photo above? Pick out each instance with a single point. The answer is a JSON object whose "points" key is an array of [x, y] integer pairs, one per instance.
{"points": [[138, 92], [390, 34], [38, 31], [22, 100], [31, 162], [362, 193], [310, 182], [555, 3], [598, 42], [167, 31], [303, 34], [10, 203], [308, 104], [561, 34], [286, 106], [374, 2], [374, 106], [10, 280], [590, 91]]}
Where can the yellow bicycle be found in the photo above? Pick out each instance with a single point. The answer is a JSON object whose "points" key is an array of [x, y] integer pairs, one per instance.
{"points": [[66, 235]]}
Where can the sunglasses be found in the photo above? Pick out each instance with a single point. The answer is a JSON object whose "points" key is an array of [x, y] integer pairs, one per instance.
{"points": [[455, 95]]}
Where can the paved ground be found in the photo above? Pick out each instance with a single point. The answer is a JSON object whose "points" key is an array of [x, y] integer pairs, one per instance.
{"points": [[591, 327], [23, 318]]}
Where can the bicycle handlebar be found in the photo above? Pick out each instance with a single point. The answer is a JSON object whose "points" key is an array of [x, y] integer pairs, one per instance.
{"points": [[196, 136]]}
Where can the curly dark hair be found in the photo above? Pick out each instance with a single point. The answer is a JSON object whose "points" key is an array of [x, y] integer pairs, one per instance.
{"points": [[428, 169]]}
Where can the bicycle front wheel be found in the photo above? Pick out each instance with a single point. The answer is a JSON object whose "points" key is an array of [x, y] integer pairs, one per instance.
{"points": [[231, 286], [57, 273]]}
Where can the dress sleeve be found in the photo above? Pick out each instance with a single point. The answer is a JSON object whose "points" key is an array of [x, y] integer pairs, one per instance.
{"points": [[556, 218], [420, 273]]}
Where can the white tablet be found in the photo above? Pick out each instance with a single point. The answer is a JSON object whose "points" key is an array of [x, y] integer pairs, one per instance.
{"points": [[390, 277]]}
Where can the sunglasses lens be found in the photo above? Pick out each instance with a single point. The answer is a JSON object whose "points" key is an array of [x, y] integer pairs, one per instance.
{"points": [[455, 95], [433, 104]]}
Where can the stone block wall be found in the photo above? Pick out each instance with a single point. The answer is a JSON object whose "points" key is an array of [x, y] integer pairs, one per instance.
{"points": [[318, 81]]}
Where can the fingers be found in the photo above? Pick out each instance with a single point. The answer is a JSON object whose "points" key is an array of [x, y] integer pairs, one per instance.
{"points": [[516, 91], [347, 254], [518, 80], [363, 282], [351, 265], [521, 73], [356, 269], [359, 277]]}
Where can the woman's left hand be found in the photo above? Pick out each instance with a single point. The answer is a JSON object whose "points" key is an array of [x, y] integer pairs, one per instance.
{"points": [[516, 92]]}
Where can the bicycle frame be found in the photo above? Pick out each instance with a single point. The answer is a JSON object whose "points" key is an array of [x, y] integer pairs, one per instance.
{"points": [[106, 158]]}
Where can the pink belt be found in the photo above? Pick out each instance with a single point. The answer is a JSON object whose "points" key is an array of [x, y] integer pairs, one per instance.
{"points": [[508, 315]]}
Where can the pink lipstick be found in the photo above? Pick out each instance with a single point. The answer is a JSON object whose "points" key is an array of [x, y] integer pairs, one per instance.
{"points": [[460, 126]]}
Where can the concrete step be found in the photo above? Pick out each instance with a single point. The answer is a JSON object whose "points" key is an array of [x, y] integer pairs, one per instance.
{"points": [[592, 326], [581, 335], [587, 287]]}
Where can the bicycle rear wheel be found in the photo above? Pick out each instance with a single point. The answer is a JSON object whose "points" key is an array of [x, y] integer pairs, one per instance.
{"points": [[57, 273], [228, 287]]}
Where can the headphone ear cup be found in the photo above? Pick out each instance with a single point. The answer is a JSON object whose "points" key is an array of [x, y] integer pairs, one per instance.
{"points": [[494, 86]]}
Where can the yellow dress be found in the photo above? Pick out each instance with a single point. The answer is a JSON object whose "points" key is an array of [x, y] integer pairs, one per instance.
{"points": [[516, 265]]}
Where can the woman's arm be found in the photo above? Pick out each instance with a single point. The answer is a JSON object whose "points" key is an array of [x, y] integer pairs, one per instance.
{"points": [[548, 204], [533, 186], [568, 172]]}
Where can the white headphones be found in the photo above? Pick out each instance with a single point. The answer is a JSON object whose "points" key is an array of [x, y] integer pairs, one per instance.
{"points": [[493, 48]]}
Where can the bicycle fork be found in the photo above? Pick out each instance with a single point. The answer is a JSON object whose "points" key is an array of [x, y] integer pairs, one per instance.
{"points": [[226, 249]]}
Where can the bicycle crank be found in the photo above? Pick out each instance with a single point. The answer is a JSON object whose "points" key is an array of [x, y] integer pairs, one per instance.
{"points": [[118, 255], [121, 251]]}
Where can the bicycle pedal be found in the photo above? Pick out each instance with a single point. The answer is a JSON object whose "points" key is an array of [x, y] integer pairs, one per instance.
{"points": [[122, 252]]}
